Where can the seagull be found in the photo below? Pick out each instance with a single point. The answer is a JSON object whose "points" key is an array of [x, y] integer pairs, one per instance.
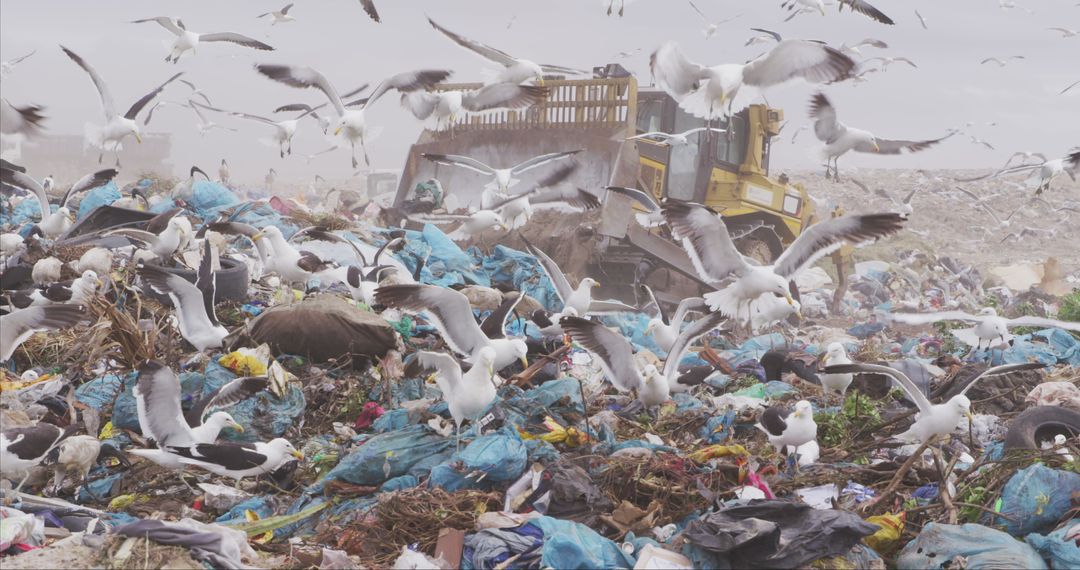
{"points": [[710, 92], [579, 299], [1025, 156], [54, 224], [283, 130], [1002, 223], [1074, 84], [797, 7], [204, 125], [871, 42], [352, 123], [6, 67], [79, 291], [157, 398], [237, 460], [312, 111], [616, 356], [467, 395], [1065, 33], [786, 428], [78, 454], [369, 8], [46, 270], [839, 138], [452, 314], [278, 16], [447, 106], [1047, 170], [514, 70], [24, 120], [665, 328], [989, 327], [223, 172], [116, 127], [186, 40], [16, 327], [710, 26], [472, 224], [999, 61], [517, 209], [162, 244], [713, 254], [184, 189], [921, 20], [886, 61], [503, 176], [23, 448], [768, 310], [982, 142], [672, 139], [194, 304], [651, 217], [903, 206], [835, 353], [765, 37], [864, 8], [932, 419]]}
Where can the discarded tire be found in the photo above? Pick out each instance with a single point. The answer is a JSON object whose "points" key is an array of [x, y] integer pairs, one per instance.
{"points": [[231, 281]]}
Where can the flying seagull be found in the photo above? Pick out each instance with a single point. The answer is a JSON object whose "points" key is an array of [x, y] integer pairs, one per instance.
{"points": [[352, 123], [194, 304], [186, 40], [278, 16], [1001, 62], [6, 67], [989, 327], [54, 224], [452, 314], [710, 26], [672, 139], [886, 61], [764, 37], [369, 8], [932, 419], [117, 127], [651, 217], [665, 328], [517, 209], [1046, 171], [1065, 32], [839, 138], [503, 176], [579, 299], [922, 20], [713, 254], [17, 327], [710, 92], [25, 120], [797, 7], [514, 70], [447, 106], [866, 9]]}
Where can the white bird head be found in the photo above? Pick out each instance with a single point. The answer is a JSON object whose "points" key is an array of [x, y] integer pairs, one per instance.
{"points": [[961, 404], [521, 350], [834, 351], [64, 211], [650, 373], [224, 420], [778, 286], [284, 446], [803, 409], [988, 312], [590, 282], [130, 127], [90, 277]]}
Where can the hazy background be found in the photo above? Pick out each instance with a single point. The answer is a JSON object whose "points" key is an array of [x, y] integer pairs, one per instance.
{"points": [[949, 89]]}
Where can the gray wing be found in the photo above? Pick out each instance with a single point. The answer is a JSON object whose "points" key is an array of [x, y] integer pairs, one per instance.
{"points": [[146, 99], [447, 309], [673, 72], [1003, 369], [20, 120], [188, 300], [897, 147], [157, 399], [233, 37], [913, 392], [95, 180], [407, 82], [1042, 322], [420, 103], [20, 179], [458, 160], [165, 22], [826, 127], [659, 308], [503, 95], [494, 326], [866, 9], [303, 77], [686, 338], [776, 36], [790, 59], [322, 234], [825, 237], [369, 7], [609, 307], [927, 318], [558, 279], [643, 198], [206, 283], [449, 371], [538, 161], [103, 90], [498, 56], [542, 192], [614, 352], [687, 305], [232, 392], [575, 197], [16, 327], [705, 239]]}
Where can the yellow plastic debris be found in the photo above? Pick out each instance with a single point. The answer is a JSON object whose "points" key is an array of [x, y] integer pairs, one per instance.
{"points": [[706, 453], [572, 437], [124, 501], [251, 516], [885, 540], [244, 362], [107, 431]]}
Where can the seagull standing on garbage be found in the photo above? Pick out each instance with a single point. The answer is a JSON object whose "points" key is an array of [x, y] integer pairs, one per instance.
{"points": [[23, 448], [579, 299], [989, 327], [467, 395], [710, 248], [237, 460], [836, 354], [16, 327], [932, 419], [194, 304], [785, 427], [665, 328], [452, 314], [54, 224]]}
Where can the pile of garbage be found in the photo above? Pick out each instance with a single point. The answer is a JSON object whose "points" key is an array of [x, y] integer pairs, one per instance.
{"points": [[560, 471]]}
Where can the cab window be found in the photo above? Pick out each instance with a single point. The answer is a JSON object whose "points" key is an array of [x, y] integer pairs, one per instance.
{"points": [[731, 149], [650, 113]]}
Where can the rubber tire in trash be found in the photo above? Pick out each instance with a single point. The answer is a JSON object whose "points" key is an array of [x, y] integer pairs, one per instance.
{"points": [[1036, 424], [231, 281]]}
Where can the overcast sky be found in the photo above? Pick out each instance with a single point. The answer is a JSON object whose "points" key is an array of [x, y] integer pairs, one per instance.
{"points": [[949, 88]]}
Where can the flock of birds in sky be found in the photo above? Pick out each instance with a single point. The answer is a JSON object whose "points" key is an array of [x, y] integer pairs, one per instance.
{"points": [[469, 370]]}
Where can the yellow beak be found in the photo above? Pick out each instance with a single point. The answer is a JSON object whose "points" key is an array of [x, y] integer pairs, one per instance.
{"points": [[540, 80], [597, 284], [138, 139], [790, 300], [257, 236], [876, 147], [431, 378], [297, 455], [337, 131], [524, 361], [237, 427], [969, 416]]}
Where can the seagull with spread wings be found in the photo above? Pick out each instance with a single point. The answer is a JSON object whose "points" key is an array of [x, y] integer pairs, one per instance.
{"points": [[579, 299], [16, 327], [351, 123], [710, 26], [467, 394], [839, 138], [866, 9], [503, 177], [194, 304], [1046, 170], [989, 327], [7, 66], [514, 70], [711, 250], [446, 107], [278, 16], [665, 328], [54, 224], [711, 92], [189, 41], [516, 210], [932, 419], [117, 127]]}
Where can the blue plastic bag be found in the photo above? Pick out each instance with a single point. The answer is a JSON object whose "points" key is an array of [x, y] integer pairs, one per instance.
{"points": [[100, 196], [569, 545], [1036, 498], [983, 547], [1062, 554], [388, 455]]}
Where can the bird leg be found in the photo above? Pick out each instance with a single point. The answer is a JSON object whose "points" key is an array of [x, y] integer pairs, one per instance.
{"points": [[18, 487]]}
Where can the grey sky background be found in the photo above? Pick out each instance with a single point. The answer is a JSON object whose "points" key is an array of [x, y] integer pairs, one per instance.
{"points": [[949, 89]]}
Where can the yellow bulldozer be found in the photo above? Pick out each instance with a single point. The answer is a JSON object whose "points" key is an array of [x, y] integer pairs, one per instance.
{"points": [[728, 171]]}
